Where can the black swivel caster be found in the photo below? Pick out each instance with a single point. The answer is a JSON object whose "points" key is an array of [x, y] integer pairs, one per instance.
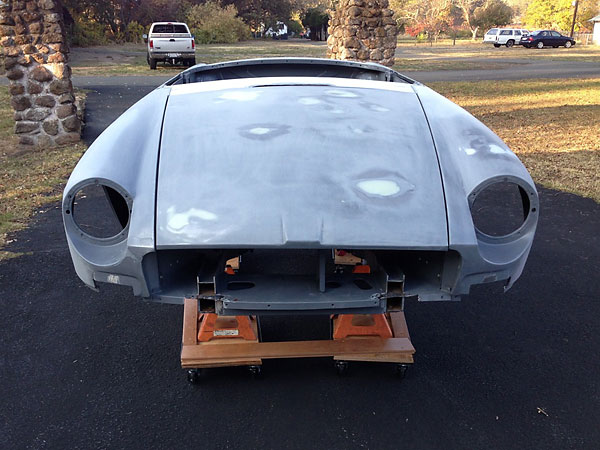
{"points": [[255, 371], [341, 367], [193, 376], [400, 370]]}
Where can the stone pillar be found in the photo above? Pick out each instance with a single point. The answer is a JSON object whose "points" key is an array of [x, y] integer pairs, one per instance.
{"points": [[363, 30], [35, 56]]}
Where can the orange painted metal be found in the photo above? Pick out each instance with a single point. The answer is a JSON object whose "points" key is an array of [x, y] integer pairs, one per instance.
{"points": [[346, 325], [225, 327], [361, 268]]}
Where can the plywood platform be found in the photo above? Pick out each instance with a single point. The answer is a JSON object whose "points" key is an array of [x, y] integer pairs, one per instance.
{"points": [[233, 351]]}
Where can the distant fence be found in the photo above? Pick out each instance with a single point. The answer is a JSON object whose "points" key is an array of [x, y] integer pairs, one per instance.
{"points": [[583, 38]]}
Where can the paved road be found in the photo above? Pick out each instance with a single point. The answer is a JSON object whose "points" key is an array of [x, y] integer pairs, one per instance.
{"points": [[109, 97], [80, 369]]}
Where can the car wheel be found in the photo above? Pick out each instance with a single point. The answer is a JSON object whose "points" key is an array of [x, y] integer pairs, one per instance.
{"points": [[510, 43], [152, 64], [540, 44], [148, 58], [496, 45], [568, 44]]}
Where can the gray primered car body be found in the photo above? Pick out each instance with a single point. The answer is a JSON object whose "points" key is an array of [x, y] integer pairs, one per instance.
{"points": [[282, 161]]}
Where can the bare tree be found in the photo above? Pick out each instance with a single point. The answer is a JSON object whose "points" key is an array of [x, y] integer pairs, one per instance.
{"points": [[468, 8]]}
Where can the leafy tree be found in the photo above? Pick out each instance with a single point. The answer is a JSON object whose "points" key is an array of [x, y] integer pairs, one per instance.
{"points": [[295, 27], [259, 13], [549, 14], [456, 21], [518, 6], [134, 32], [494, 13], [315, 19], [213, 24], [434, 16], [424, 17], [587, 9], [149, 11], [114, 15], [558, 14], [406, 13]]}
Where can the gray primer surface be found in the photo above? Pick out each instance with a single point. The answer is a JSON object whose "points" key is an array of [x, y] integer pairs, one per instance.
{"points": [[299, 166], [299, 162]]}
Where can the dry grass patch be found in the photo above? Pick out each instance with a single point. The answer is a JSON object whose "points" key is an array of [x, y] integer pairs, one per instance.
{"points": [[469, 51], [27, 180], [125, 69], [130, 59], [109, 60], [260, 49], [553, 125], [423, 64]]}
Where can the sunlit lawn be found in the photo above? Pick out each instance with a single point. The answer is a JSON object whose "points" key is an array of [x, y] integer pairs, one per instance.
{"points": [[553, 125]]}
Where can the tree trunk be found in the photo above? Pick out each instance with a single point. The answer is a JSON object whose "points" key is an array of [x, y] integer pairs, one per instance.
{"points": [[474, 31]]}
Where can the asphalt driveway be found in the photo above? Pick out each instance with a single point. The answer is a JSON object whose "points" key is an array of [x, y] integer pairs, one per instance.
{"points": [[80, 369]]}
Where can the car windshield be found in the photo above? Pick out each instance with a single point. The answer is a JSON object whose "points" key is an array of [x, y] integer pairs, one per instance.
{"points": [[169, 28], [492, 31], [535, 33]]}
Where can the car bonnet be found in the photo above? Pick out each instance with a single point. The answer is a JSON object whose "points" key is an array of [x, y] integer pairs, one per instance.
{"points": [[321, 163]]}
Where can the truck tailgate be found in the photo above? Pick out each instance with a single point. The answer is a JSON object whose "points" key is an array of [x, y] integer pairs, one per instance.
{"points": [[173, 43]]}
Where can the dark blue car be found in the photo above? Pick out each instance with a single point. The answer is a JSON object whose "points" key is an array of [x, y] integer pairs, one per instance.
{"points": [[546, 38]]}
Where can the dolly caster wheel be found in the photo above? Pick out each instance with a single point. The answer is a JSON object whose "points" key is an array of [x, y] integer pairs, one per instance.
{"points": [[400, 370], [193, 376], [341, 367], [255, 371]]}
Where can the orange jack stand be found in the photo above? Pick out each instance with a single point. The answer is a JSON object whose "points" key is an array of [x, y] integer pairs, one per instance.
{"points": [[215, 327], [346, 325], [209, 340]]}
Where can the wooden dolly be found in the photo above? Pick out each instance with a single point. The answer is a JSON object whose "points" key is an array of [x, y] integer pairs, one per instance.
{"points": [[218, 341]]}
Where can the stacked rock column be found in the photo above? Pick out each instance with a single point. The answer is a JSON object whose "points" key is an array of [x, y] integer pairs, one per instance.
{"points": [[363, 30], [35, 56]]}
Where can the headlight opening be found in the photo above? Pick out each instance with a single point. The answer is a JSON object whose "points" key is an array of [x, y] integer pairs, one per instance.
{"points": [[501, 208], [100, 210]]}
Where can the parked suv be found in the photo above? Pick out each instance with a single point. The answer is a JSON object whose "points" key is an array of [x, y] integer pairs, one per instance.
{"points": [[504, 36], [170, 42]]}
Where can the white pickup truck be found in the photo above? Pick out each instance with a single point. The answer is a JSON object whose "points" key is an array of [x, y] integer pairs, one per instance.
{"points": [[170, 42]]}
